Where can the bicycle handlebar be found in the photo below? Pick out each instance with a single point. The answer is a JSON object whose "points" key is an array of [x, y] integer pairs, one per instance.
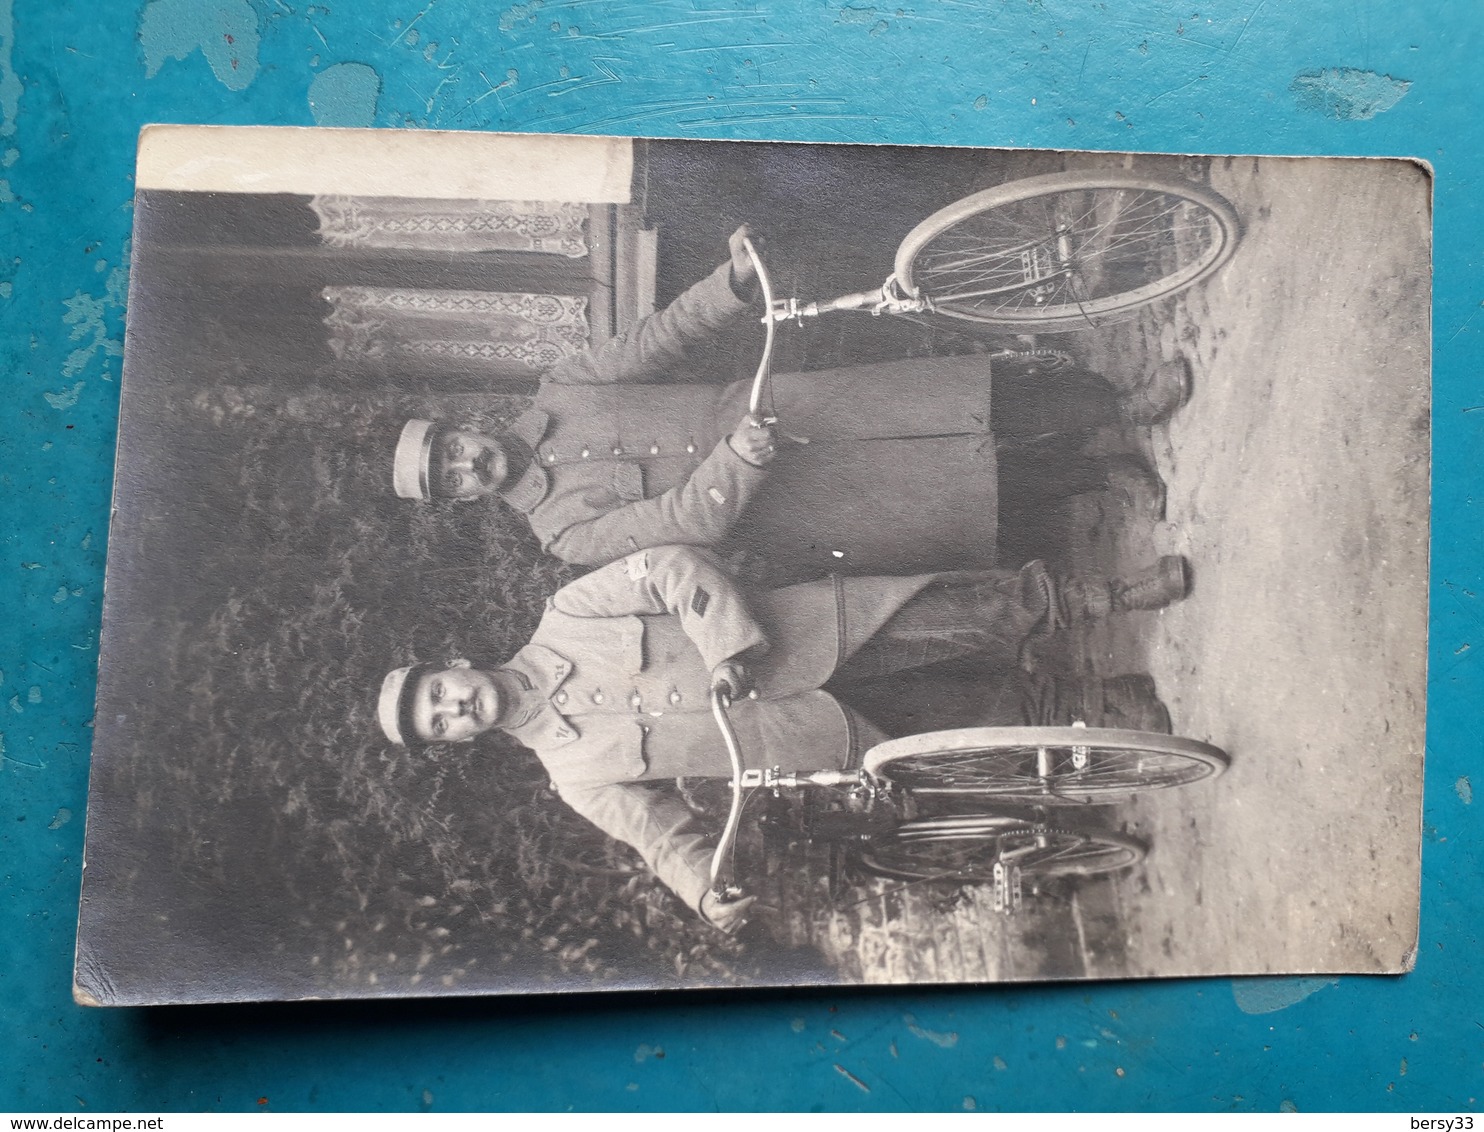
{"points": [[765, 365], [719, 704]]}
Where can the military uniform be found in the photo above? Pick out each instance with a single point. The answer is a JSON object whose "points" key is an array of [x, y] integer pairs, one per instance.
{"points": [[618, 678], [891, 468]]}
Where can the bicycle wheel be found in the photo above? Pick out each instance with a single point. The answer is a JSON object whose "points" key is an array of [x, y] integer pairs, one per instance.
{"points": [[1045, 765], [965, 850], [1066, 250]]}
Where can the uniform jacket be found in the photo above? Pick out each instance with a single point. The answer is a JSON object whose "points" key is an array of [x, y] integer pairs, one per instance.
{"points": [[897, 474], [622, 661]]}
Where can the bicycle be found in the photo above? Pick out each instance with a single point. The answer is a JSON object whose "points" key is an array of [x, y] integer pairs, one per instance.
{"points": [[1051, 253], [1043, 253], [1058, 251], [931, 807]]}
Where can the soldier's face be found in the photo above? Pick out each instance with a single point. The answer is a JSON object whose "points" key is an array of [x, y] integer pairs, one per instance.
{"points": [[454, 705], [468, 465]]}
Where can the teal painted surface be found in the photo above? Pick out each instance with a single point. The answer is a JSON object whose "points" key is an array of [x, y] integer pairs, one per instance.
{"points": [[76, 83]]}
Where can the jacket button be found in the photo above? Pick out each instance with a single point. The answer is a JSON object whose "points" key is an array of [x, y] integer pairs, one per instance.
{"points": [[618, 449], [585, 453], [551, 457], [675, 697], [636, 701], [561, 697], [597, 697], [654, 449], [690, 447]]}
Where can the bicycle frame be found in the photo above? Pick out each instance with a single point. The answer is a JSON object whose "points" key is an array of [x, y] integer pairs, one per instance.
{"points": [[887, 299], [1040, 266]]}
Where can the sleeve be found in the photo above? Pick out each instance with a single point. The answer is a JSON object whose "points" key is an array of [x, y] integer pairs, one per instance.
{"points": [[683, 580], [658, 825], [700, 512], [659, 342]]}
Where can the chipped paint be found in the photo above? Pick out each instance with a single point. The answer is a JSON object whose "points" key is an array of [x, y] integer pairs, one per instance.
{"points": [[224, 31], [1464, 789], [942, 1039], [1347, 93], [10, 82], [10, 96], [60, 818], [89, 316], [64, 399], [512, 17], [345, 95], [1264, 995], [862, 16]]}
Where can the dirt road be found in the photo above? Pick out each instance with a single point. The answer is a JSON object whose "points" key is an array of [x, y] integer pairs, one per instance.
{"points": [[1298, 487]]}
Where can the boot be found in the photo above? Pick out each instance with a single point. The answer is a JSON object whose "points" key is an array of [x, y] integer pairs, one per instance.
{"points": [[1154, 587], [1090, 599], [1158, 399], [1129, 703], [1133, 489]]}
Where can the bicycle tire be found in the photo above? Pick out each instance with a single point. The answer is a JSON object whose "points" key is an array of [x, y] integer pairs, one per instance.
{"points": [[1006, 762], [1009, 234], [963, 850]]}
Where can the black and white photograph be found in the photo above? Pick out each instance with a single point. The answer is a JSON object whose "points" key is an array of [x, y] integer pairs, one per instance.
{"points": [[551, 564]]}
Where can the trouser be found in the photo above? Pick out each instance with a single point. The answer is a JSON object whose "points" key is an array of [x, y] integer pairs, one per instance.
{"points": [[984, 614], [1042, 422], [988, 614], [1028, 405], [913, 702]]}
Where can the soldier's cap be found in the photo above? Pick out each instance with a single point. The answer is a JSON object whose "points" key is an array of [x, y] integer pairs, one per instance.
{"points": [[394, 705], [410, 462]]}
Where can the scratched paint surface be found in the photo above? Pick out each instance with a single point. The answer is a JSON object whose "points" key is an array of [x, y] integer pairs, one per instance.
{"points": [[77, 81]]}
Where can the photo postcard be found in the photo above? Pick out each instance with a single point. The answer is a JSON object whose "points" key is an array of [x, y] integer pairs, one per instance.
{"points": [[571, 563]]}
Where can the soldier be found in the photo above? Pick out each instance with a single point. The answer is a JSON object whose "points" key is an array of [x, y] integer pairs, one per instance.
{"points": [[879, 469], [612, 692]]}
